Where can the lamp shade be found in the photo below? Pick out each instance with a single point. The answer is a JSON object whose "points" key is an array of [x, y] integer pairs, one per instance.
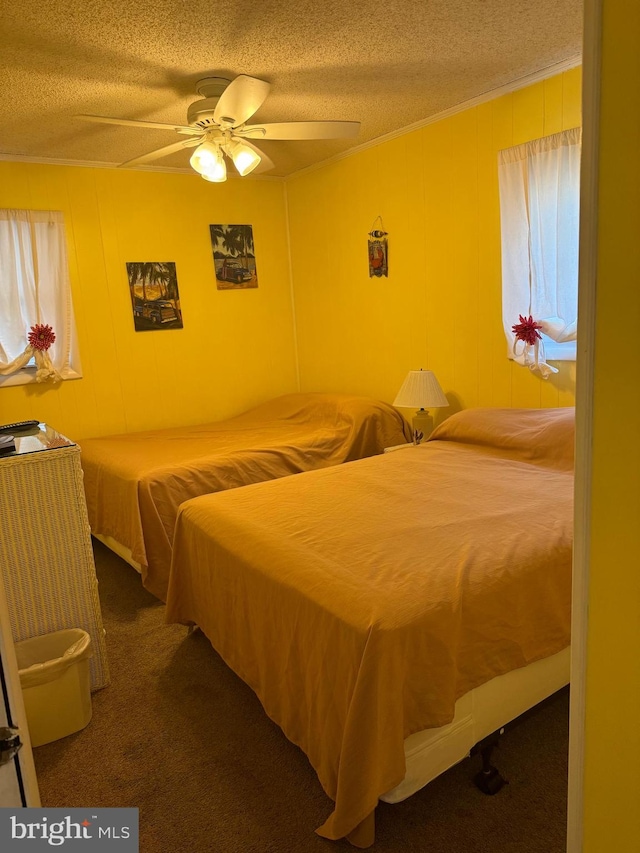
{"points": [[420, 390], [245, 158], [207, 159], [217, 174]]}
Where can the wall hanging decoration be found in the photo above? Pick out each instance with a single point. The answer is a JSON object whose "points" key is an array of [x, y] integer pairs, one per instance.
{"points": [[40, 338], [155, 300], [378, 250], [234, 256]]}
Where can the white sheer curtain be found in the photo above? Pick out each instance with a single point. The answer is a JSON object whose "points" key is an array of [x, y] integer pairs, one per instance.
{"points": [[539, 213], [35, 289]]}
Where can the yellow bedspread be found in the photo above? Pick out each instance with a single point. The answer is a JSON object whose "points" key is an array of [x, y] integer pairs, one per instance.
{"points": [[360, 602], [135, 482]]}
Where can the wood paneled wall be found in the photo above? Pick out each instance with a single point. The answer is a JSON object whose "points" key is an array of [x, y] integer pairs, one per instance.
{"points": [[436, 190], [236, 348]]}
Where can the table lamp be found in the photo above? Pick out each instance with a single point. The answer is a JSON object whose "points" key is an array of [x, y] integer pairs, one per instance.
{"points": [[421, 391]]}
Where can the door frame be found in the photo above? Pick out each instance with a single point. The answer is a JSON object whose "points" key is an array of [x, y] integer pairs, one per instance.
{"points": [[589, 175], [16, 710]]}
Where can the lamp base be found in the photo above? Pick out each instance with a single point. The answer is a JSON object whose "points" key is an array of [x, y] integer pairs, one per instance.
{"points": [[422, 426]]}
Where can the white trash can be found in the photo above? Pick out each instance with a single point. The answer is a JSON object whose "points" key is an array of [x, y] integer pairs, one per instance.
{"points": [[54, 676]]}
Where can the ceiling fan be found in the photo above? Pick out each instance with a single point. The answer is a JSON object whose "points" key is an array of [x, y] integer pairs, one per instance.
{"points": [[216, 125]]}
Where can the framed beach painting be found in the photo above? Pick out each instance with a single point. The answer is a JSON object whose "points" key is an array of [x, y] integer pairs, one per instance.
{"points": [[234, 256], [155, 300]]}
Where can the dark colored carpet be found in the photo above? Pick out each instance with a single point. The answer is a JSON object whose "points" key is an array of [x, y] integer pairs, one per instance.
{"points": [[179, 736]]}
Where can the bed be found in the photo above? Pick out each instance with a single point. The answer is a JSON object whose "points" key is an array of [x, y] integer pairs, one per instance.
{"points": [[134, 483], [391, 612]]}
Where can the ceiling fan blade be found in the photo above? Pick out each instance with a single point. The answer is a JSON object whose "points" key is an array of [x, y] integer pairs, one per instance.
{"points": [[301, 130], [163, 152], [135, 123], [242, 97]]}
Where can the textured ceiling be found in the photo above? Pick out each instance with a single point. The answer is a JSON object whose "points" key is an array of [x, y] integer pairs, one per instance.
{"points": [[387, 66]]}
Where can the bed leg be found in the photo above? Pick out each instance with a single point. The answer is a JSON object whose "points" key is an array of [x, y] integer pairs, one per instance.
{"points": [[488, 780]]}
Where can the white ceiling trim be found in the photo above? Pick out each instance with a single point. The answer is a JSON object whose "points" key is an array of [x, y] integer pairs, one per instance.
{"points": [[89, 164], [514, 86]]}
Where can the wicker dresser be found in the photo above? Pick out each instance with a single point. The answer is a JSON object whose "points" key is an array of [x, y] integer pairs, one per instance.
{"points": [[46, 556]]}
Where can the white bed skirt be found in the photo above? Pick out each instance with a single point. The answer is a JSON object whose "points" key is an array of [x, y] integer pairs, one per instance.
{"points": [[478, 713], [120, 550]]}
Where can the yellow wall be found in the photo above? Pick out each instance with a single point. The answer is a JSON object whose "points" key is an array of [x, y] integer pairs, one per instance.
{"points": [[436, 189], [236, 348], [612, 742]]}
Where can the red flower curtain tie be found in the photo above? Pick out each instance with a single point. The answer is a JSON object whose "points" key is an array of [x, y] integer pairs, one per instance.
{"points": [[40, 339], [527, 332]]}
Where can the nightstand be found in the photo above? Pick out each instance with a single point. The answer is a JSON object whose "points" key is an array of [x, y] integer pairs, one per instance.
{"points": [[45, 543]]}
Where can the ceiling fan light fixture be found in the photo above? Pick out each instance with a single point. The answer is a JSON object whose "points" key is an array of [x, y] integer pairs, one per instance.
{"points": [[245, 158], [216, 176], [208, 161], [217, 124]]}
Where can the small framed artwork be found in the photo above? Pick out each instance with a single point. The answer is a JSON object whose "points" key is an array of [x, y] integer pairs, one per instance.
{"points": [[234, 256], [155, 300]]}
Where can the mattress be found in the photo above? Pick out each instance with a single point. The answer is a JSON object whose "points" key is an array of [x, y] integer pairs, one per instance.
{"points": [[362, 602], [134, 483]]}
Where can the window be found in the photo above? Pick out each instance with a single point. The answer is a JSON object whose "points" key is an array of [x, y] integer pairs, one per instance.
{"points": [[539, 214], [34, 289]]}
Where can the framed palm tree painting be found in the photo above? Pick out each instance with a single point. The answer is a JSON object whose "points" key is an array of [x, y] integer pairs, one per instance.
{"points": [[155, 300], [234, 256]]}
